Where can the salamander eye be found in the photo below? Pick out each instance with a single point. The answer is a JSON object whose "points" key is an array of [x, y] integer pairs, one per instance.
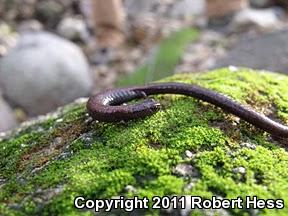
{"points": [[156, 105], [151, 105]]}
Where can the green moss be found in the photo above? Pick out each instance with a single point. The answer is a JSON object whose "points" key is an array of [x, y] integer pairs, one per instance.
{"points": [[167, 57], [44, 167]]}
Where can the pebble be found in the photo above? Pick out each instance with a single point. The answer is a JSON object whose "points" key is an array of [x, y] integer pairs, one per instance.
{"points": [[73, 28], [248, 145], [189, 154], [185, 170], [240, 170]]}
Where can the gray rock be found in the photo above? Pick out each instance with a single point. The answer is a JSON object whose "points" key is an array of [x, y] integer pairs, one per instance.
{"points": [[43, 72], [136, 7], [254, 18], [49, 12], [240, 170], [187, 8], [185, 170], [29, 26], [248, 145], [73, 28], [7, 118], [7, 38], [268, 52], [261, 3]]}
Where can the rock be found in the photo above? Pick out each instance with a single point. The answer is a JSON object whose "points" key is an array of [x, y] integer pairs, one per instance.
{"points": [[7, 118], [7, 38], [187, 9], [189, 154], [202, 55], [240, 170], [126, 67], [267, 52], [73, 28], [145, 29], [282, 3], [160, 8], [1, 9], [29, 26], [185, 170], [17, 9], [137, 158], [253, 18], [215, 7], [49, 12], [261, 3], [43, 72], [26, 9], [136, 7], [248, 145]]}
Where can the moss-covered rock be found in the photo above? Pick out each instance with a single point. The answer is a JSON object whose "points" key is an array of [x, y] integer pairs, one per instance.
{"points": [[188, 148]]}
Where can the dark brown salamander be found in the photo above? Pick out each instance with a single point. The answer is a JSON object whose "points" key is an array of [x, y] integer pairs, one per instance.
{"points": [[106, 106]]}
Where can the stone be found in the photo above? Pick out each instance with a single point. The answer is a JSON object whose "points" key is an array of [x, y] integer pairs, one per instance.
{"points": [[240, 170], [265, 52], [49, 12], [43, 72], [7, 118], [7, 38], [160, 8], [185, 170], [202, 55], [136, 7], [187, 9], [29, 26], [121, 159], [261, 3], [144, 28], [253, 19], [282, 3], [73, 28], [26, 9], [215, 7], [189, 154]]}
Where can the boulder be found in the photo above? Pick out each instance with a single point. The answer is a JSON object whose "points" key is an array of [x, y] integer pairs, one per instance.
{"points": [[47, 163], [268, 51], [43, 72]]}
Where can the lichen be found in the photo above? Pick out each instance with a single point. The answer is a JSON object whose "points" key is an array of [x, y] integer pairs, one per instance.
{"points": [[46, 165]]}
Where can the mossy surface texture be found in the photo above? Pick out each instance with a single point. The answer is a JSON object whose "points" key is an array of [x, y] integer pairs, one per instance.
{"points": [[46, 165]]}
